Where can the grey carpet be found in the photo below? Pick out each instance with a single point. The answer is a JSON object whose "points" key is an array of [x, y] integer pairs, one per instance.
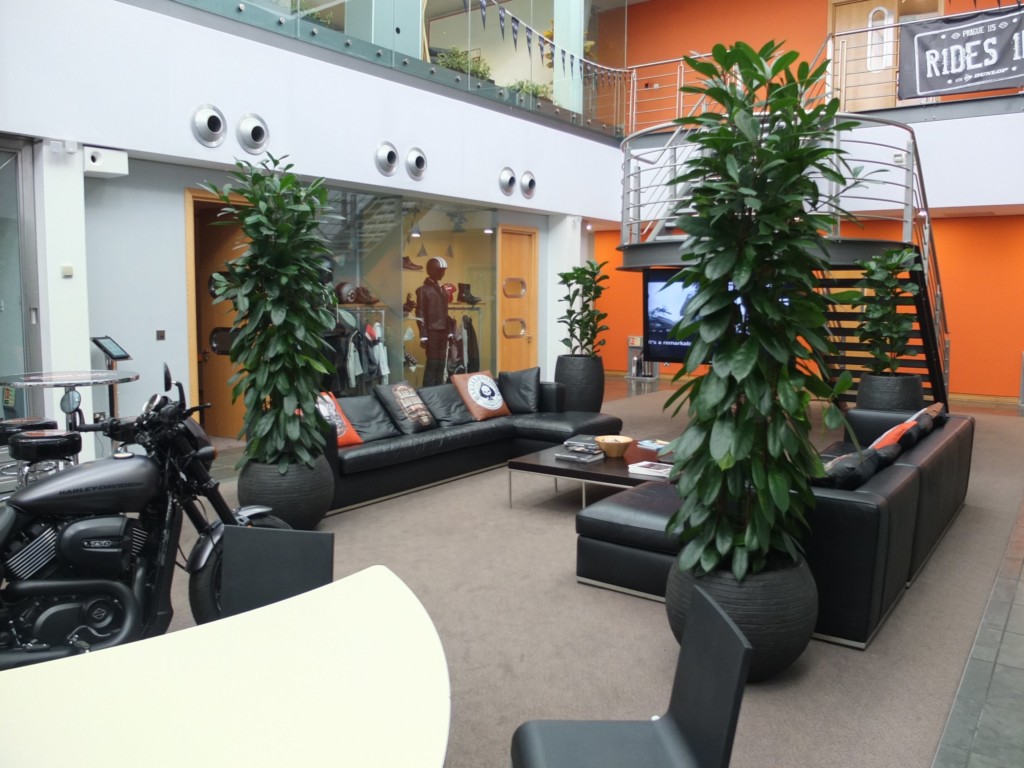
{"points": [[524, 640]]}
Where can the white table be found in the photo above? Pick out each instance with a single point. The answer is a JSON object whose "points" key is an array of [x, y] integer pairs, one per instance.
{"points": [[350, 674]]}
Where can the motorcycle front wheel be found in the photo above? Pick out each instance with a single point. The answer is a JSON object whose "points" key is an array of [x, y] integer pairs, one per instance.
{"points": [[204, 584]]}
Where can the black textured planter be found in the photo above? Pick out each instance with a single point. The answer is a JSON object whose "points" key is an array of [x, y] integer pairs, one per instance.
{"points": [[300, 497], [897, 392], [775, 609], [583, 377]]}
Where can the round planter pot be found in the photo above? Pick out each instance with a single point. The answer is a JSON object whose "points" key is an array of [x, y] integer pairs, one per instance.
{"points": [[300, 497], [898, 392], [583, 377], [775, 609]]}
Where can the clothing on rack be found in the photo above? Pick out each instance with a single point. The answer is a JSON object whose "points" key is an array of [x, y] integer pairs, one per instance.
{"points": [[472, 345]]}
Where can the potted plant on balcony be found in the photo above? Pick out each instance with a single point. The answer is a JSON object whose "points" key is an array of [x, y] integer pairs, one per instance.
{"points": [[283, 307], [581, 370], [753, 216], [886, 331]]}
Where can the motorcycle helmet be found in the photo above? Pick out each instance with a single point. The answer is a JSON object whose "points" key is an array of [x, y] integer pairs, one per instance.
{"points": [[346, 293], [449, 291]]}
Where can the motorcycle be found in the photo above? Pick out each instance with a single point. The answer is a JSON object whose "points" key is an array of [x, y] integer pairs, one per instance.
{"points": [[87, 555]]}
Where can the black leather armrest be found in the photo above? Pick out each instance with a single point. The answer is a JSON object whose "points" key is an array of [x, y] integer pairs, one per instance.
{"points": [[552, 397]]}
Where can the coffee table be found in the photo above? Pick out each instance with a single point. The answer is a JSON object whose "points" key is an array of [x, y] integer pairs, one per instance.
{"points": [[613, 472]]}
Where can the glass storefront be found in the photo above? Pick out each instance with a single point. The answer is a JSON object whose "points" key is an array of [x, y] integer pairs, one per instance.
{"points": [[14, 353], [382, 250]]}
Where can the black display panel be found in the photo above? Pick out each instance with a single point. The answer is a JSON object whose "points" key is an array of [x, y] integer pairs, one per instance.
{"points": [[664, 303], [111, 348]]}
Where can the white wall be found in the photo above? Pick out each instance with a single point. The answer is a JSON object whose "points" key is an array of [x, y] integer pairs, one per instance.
{"points": [[109, 74]]}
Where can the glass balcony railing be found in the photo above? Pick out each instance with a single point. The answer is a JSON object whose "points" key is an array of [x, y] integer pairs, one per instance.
{"points": [[541, 56]]}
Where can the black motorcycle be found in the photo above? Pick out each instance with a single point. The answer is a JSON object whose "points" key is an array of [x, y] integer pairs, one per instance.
{"points": [[88, 554]]}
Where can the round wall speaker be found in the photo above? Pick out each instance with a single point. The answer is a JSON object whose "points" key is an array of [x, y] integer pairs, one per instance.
{"points": [[507, 181], [208, 125], [387, 158], [416, 163], [253, 133], [528, 184]]}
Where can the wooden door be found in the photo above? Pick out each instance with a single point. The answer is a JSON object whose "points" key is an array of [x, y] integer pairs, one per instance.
{"points": [[214, 245], [865, 58], [517, 298]]}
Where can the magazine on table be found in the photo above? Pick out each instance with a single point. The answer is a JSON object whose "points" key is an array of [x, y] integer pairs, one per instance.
{"points": [[652, 468], [652, 445], [583, 444], [580, 457]]}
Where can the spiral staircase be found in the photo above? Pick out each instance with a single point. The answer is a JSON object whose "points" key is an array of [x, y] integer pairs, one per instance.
{"points": [[890, 210]]}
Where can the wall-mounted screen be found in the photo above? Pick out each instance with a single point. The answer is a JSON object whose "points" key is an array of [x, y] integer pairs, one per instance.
{"points": [[664, 303]]}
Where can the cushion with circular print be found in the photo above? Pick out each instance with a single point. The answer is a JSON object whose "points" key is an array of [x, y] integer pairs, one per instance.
{"points": [[480, 393], [329, 408]]}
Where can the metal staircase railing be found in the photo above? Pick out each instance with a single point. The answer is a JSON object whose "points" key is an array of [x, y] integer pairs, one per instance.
{"points": [[889, 209]]}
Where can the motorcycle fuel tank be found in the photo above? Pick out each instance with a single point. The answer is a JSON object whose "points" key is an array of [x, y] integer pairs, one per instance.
{"points": [[121, 483]]}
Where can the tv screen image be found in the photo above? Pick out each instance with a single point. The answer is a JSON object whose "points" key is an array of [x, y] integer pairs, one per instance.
{"points": [[664, 303]]}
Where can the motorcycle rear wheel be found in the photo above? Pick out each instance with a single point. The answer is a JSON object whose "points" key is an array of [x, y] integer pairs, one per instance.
{"points": [[204, 584]]}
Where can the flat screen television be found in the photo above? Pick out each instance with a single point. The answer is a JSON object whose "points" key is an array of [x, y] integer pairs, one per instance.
{"points": [[664, 302]]}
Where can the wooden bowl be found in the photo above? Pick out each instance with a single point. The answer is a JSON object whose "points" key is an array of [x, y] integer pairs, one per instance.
{"points": [[614, 446]]}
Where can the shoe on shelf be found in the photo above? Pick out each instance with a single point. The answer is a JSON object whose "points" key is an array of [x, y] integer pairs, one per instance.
{"points": [[410, 304], [466, 295], [408, 263]]}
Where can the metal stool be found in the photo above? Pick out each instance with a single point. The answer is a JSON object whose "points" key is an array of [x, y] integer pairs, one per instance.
{"points": [[42, 452], [8, 427]]}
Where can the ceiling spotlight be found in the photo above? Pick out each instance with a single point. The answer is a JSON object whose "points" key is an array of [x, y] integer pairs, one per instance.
{"points": [[415, 231], [449, 252], [488, 230], [423, 252]]}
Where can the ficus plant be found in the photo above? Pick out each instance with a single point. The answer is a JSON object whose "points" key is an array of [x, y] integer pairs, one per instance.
{"points": [[883, 328], [754, 217], [283, 307], [582, 320]]}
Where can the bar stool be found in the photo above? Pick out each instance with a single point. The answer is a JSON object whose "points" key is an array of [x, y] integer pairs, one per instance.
{"points": [[8, 427], [41, 452]]}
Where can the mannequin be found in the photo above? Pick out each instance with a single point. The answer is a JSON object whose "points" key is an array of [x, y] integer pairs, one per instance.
{"points": [[433, 320]]}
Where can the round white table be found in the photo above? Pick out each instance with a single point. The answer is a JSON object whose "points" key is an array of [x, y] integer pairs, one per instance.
{"points": [[69, 380], [350, 674]]}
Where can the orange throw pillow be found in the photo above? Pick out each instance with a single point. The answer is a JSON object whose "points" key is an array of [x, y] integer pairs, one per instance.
{"points": [[479, 391], [892, 437], [330, 409]]}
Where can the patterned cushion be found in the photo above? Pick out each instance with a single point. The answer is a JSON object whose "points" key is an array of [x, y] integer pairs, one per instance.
{"points": [[480, 393], [849, 471], [328, 406], [406, 408]]}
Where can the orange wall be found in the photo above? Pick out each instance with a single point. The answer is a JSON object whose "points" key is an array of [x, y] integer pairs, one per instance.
{"points": [[982, 269]]}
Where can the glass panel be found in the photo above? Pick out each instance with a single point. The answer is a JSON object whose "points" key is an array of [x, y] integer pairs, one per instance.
{"points": [[381, 254], [538, 55], [12, 332]]}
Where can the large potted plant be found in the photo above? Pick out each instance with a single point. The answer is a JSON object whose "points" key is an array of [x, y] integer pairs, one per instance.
{"points": [[885, 329], [581, 370], [283, 307], [754, 215]]}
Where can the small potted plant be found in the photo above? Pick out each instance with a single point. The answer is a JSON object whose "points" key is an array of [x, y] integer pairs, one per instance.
{"points": [[283, 307], [459, 60], [886, 330], [581, 370]]}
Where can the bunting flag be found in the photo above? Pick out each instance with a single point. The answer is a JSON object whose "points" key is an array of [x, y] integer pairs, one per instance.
{"points": [[563, 61], [515, 33], [465, 5], [501, 20], [540, 47], [529, 41], [483, 13], [572, 65]]}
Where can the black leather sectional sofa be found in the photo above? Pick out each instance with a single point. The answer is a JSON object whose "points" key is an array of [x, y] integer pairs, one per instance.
{"points": [[389, 462], [865, 544]]}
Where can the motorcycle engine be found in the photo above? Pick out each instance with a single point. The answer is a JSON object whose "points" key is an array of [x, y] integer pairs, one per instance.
{"points": [[98, 547]]}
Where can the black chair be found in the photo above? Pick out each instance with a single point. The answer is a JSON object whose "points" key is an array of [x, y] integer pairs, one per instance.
{"points": [[697, 730]]}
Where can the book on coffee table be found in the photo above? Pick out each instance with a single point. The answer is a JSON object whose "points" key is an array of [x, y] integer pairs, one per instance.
{"points": [[652, 468], [580, 457], [583, 444]]}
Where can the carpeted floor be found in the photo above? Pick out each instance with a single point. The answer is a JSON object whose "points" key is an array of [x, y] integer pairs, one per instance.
{"points": [[524, 640]]}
